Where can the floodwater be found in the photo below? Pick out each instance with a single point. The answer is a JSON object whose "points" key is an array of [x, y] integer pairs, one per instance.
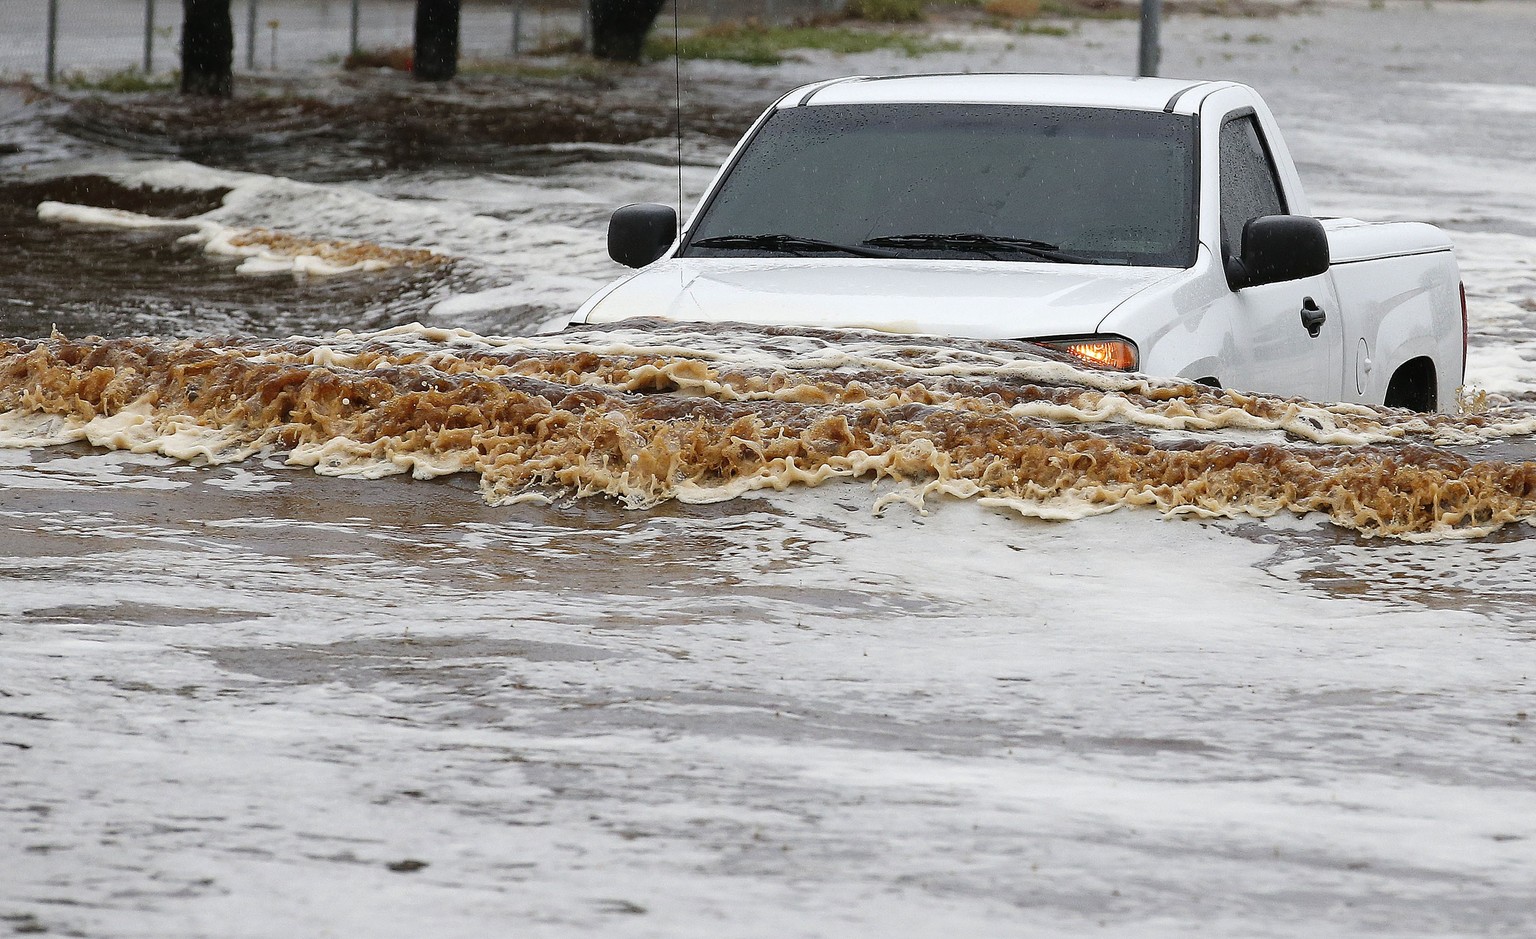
{"points": [[302, 643]]}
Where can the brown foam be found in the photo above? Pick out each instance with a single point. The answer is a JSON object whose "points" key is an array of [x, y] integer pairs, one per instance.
{"points": [[337, 253], [655, 412]]}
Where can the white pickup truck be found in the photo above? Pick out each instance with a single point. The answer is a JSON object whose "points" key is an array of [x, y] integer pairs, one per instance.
{"points": [[1152, 225]]}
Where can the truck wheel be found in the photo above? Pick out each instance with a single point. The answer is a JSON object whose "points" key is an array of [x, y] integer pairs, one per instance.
{"points": [[1413, 386]]}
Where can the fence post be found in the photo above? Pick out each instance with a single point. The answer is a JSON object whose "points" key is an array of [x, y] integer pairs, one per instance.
{"points": [[51, 68], [149, 37], [1151, 27], [250, 35], [356, 19], [517, 28]]}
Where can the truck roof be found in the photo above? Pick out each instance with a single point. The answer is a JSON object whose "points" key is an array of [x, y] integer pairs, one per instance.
{"points": [[1093, 91]]}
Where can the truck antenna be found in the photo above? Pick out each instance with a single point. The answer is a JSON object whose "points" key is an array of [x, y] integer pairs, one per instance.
{"points": [[677, 84]]}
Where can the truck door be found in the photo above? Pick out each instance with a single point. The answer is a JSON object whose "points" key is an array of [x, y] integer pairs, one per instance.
{"points": [[1274, 350]]}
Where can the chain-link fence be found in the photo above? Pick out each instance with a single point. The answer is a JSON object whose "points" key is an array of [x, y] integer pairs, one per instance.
{"points": [[51, 39]]}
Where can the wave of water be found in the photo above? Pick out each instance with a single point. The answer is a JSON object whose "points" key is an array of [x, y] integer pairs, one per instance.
{"points": [[647, 411]]}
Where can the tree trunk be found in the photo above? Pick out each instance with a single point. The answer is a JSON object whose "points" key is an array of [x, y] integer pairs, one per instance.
{"points": [[207, 48], [619, 27], [437, 40]]}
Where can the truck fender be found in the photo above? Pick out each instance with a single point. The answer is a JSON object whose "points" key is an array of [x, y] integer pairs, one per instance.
{"points": [[1407, 332]]}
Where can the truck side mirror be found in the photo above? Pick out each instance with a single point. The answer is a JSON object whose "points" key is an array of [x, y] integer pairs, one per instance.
{"points": [[1278, 248], [639, 234]]}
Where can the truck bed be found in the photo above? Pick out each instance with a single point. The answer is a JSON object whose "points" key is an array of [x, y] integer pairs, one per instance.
{"points": [[1350, 240]]}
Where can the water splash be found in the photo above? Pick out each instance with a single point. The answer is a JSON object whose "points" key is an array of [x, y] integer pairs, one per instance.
{"points": [[643, 412]]}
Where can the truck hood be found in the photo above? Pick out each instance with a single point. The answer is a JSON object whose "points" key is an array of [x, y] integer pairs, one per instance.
{"points": [[977, 299]]}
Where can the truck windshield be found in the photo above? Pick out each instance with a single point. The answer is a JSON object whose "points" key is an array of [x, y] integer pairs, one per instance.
{"points": [[1005, 182]]}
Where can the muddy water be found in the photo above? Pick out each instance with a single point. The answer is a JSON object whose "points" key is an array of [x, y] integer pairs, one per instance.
{"points": [[233, 692], [500, 187], [373, 124], [648, 411], [240, 697], [115, 282]]}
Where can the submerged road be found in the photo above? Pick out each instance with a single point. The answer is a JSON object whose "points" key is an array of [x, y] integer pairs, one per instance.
{"points": [[250, 701]]}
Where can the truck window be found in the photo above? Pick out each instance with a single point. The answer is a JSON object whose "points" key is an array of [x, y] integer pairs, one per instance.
{"points": [[1117, 187], [1248, 185]]}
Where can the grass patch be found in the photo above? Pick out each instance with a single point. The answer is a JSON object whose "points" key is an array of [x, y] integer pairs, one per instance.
{"points": [[1090, 9], [398, 58], [1044, 29], [559, 43], [1004, 12], [1247, 9], [127, 81], [754, 43], [1022, 17], [582, 67], [1012, 9], [884, 11]]}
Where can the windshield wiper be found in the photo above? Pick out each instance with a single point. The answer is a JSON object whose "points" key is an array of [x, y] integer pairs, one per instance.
{"points": [[794, 244], [985, 244]]}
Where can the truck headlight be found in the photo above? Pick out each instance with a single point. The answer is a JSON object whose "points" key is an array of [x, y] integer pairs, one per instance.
{"points": [[1115, 352]]}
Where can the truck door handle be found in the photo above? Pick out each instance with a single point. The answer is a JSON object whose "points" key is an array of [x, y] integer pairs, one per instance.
{"points": [[1312, 317]]}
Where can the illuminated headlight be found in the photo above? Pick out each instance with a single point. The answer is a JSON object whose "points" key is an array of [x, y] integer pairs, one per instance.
{"points": [[1115, 352]]}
